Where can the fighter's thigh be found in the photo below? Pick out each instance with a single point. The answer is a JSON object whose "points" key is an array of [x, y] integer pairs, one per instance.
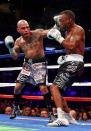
{"points": [[43, 89], [18, 87], [39, 73]]}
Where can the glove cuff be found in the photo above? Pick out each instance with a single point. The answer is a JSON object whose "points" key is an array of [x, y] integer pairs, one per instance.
{"points": [[60, 39], [11, 50]]}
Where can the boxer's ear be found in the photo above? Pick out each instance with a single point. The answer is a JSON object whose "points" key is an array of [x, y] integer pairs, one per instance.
{"points": [[17, 30]]}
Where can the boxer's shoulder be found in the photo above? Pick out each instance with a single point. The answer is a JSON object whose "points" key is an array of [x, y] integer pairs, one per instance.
{"points": [[19, 40], [78, 28]]}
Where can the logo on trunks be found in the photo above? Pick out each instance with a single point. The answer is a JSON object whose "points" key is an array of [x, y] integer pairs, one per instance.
{"points": [[37, 65], [25, 72]]}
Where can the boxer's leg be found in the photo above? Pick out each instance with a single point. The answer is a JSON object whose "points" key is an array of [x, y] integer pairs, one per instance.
{"points": [[17, 99], [40, 73], [48, 102]]}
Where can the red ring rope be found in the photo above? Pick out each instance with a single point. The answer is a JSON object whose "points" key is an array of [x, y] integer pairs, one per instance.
{"points": [[83, 99]]}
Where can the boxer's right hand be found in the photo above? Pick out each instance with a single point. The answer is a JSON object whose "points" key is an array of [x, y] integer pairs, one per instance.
{"points": [[9, 43]]}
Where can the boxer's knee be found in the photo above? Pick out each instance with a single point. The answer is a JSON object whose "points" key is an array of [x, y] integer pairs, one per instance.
{"points": [[54, 88], [18, 88], [43, 89]]}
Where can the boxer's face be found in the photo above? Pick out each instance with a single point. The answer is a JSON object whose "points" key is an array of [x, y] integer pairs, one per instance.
{"points": [[64, 21], [24, 29]]}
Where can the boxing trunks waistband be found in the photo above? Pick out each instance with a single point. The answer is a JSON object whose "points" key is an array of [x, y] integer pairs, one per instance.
{"points": [[70, 57], [36, 60], [74, 57]]}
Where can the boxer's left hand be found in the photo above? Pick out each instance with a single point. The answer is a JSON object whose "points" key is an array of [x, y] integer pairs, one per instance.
{"points": [[55, 34]]}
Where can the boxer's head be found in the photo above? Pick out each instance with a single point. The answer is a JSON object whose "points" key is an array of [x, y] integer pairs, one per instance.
{"points": [[23, 28], [66, 19]]}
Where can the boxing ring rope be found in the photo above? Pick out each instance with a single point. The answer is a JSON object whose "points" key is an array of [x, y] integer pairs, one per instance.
{"points": [[48, 67], [79, 99], [49, 51]]}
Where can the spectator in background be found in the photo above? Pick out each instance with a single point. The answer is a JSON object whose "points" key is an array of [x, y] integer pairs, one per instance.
{"points": [[85, 116], [89, 114], [37, 109], [73, 113], [8, 110], [44, 113], [33, 112], [26, 111]]}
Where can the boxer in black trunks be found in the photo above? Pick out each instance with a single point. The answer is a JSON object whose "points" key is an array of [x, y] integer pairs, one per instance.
{"points": [[70, 65]]}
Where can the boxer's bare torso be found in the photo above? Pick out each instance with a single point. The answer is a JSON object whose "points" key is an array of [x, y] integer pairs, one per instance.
{"points": [[74, 42], [32, 47], [30, 42]]}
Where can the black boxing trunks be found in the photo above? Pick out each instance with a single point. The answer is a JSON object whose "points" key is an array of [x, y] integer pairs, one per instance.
{"points": [[34, 71], [71, 67]]}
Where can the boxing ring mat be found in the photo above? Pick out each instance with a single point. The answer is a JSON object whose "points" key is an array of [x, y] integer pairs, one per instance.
{"points": [[28, 123], [23, 123]]}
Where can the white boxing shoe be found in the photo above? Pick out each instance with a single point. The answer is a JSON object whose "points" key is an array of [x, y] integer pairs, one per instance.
{"points": [[59, 122], [70, 118], [72, 121]]}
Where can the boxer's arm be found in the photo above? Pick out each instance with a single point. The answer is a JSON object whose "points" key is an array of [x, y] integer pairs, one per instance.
{"points": [[40, 32], [44, 33], [16, 50]]}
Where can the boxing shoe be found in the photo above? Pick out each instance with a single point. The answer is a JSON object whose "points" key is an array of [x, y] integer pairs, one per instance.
{"points": [[59, 122], [15, 112], [70, 118], [52, 117]]}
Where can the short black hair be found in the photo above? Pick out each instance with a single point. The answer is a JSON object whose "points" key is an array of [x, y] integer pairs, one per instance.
{"points": [[69, 13]]}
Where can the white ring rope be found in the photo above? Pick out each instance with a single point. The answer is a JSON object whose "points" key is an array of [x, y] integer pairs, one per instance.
{"points": [[74, 84], [49, 67]]}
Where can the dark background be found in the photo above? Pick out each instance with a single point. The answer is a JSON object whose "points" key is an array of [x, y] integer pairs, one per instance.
{"points": [[40, 13]]}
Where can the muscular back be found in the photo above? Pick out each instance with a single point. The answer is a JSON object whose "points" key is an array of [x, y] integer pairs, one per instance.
{"points": [[74, 42], [32, 47]]}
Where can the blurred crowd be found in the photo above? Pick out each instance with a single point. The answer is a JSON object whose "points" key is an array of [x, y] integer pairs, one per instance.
{"points": [[83, 114]]}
